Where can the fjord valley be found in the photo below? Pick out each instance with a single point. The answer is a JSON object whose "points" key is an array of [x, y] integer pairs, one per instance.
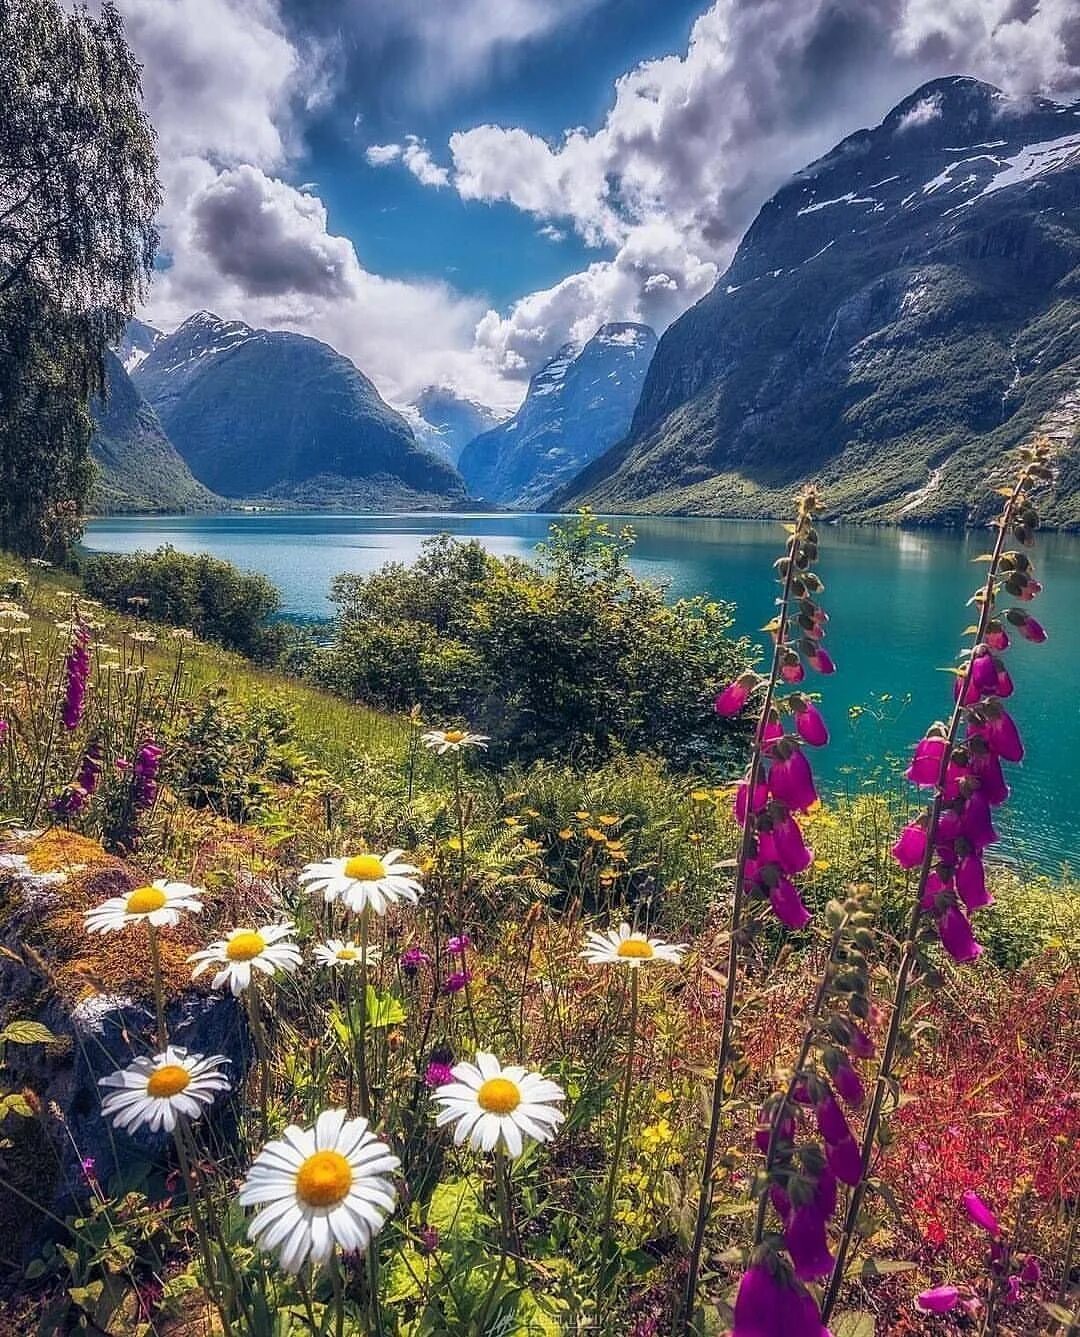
{"points": [[537, 666]]}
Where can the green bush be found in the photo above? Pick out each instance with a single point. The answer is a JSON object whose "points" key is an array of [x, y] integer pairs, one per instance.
{"points": [[212, 598], [573, 656]]}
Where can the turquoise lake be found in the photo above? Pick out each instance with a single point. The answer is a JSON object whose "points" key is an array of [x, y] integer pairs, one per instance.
{"points": [[896, 599]]}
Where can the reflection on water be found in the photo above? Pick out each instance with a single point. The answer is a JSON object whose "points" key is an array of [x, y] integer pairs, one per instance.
{"points": [[896, 599]]}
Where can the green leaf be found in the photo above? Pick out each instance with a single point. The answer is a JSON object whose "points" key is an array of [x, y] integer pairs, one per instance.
{"points": [[454, 1207], [15, 1103], [879, 1267], [383, 1009], [853, 1323], [28, 1033]]}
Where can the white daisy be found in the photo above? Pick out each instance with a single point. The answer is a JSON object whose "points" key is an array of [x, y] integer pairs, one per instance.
{"points": [[364, 882], [264, 949], [620, 947], [159, 904], [318, 1187], [154, 1091], [452, 740], [335, 952], [487, 1102]]}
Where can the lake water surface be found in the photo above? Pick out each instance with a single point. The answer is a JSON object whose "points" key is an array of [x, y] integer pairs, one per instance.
{"points": [[896, 599]]}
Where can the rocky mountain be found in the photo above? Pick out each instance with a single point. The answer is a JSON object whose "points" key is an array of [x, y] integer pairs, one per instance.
{"points": [[577, 406], [138, 469], [899, 314], [265, 413], [137, 343], [445, 422]]}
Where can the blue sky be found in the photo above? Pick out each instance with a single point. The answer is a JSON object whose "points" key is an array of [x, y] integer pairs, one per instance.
{"points": [[448, 190]]}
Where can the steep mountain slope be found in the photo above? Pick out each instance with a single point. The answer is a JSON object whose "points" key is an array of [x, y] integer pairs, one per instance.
{"points": [[899, 313], [445, 422], [577, 406], [137, 343], [138, 468], [260, 413]]}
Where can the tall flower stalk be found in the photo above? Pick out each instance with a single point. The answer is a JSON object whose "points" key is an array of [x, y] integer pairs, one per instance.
{"points": [[778, 783], [946, 844]]}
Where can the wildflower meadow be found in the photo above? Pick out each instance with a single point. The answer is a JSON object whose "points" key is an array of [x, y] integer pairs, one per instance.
{"points": [[321, 1019]]}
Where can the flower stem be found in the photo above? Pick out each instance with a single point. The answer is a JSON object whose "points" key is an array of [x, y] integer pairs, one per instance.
{"points": [[886, 1077], [727, 1027], [361, 1042], [262, 1050], [191, 1185], [621, 1121], [159, 987]]}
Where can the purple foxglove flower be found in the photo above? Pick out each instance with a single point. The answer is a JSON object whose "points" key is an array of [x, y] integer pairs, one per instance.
{"points": [[861, 1046], [986, 768], [939, 1300], [1030, 591], [971, 882], [983, 674], [981, 1214], [413, 958], [77, 667], [910, 850], [783, 844], [791, 782], [144, 788], [848, 1085], [844, 1160], [793, 672], [997, 638], [831, 1123], [977, 825], [821, 661], [1032, 631], [1012, 1295], [811, 725], [742, 794], [772, 732], [1004, 685], [1002, 736], [925, 768], [769, 1305], [787, 905], [785, 1131], [780, 1201], [459, 944], [808, 1244], [824, 1202], [438, 1074], [457, 981], [957, 938], [734, 696], [950, 824], [1031, 1272]]}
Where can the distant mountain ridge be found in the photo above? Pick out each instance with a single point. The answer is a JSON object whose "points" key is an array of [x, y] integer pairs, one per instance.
{"points": [[267, 413], [899, 314], [138, 468], [578, 405], [445, 422]]}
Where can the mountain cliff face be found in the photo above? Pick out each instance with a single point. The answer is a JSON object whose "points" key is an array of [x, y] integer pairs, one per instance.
{"points": [[136, 344], [577, 406], [445, 422], [138, 468], [899, 314], [261, 413]]}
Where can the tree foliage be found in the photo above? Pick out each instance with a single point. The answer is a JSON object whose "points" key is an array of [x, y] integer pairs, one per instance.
{"points": [[212, 598], [574, 656], [78, 194]]}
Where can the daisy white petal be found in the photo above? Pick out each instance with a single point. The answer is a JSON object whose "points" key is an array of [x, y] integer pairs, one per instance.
{"points": [[154, 1091], [364, 881], [490, 1105], [268, 949], [442, 741], [160, 903], [622, 947]]}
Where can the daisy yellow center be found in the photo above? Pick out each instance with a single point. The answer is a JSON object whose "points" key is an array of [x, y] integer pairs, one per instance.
{"points": [[365, 868], [454, 735], [169, 1080], [324, 1179], [635, 948], [144, 900], [347, 954], [245, 946], [499, 1095]]}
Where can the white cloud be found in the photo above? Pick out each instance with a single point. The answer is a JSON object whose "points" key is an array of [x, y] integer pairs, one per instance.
{"points": [[381, 155], [927, 109], [419, 161]]}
